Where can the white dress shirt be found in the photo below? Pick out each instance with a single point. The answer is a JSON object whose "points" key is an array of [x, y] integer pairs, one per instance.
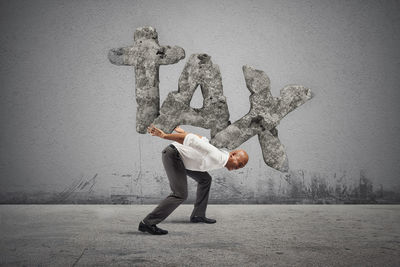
{"points": [[199, 155]]}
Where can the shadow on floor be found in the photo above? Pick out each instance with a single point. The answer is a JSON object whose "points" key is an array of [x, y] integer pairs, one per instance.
{"points": [[176, 222]]}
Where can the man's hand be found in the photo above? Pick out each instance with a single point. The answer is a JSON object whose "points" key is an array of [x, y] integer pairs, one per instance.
{"points": [[154, 131], [179, 130], [177, 137]]}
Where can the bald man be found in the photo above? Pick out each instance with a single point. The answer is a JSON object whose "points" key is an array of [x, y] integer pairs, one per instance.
{"points": [[193, 155]]}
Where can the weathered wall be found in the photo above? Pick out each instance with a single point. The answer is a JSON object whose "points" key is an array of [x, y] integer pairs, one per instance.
{"points": [[68, 116]]}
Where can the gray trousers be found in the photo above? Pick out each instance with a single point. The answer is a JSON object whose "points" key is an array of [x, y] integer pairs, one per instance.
{"points": [[176, 173]]}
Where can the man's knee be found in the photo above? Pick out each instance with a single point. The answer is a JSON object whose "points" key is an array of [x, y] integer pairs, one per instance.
{"points": [[206, 179], [182, 196]]}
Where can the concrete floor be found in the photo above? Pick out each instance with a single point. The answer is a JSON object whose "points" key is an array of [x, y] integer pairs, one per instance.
{"points": [[244, 235]]}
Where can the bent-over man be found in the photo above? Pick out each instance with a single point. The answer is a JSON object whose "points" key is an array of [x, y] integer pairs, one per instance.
{"points": [[193, 155]]}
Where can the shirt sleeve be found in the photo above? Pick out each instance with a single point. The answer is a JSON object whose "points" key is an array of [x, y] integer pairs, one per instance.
{"points": [[205, 139], [200, 144]]}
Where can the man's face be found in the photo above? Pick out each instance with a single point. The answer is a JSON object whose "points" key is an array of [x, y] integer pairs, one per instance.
{"points": [[238, 159]]}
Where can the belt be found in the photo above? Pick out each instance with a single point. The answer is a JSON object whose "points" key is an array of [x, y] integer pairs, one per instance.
{"points": [[176, 150], [174, 147]]}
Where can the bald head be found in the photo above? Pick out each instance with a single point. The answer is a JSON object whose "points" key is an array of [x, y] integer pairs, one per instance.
{"points": [[237, 159]]}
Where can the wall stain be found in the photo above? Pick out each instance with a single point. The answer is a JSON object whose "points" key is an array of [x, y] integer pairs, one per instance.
{"points": [[129, 198], [68, 191], [296, 187], [222, 182], [139, 176], [76, 186]]}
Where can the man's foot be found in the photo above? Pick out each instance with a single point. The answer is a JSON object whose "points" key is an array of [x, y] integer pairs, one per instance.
{"points": [[152, 229], [198, 219]]}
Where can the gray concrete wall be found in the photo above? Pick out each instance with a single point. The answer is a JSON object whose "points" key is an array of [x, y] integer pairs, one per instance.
{"points": [[68, 115]]}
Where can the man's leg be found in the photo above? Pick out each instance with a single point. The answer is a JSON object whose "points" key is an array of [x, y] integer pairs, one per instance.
{"points": [[176, 173], [203, 189]]}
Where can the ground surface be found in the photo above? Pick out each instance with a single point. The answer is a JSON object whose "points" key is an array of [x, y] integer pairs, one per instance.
{"points": [[244, 235]]}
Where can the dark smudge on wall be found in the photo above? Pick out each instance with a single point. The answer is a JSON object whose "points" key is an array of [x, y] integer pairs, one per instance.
{"points": [[295, 187]]}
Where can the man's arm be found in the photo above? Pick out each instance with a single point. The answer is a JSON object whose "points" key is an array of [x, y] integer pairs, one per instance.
{"points": [[180, 130], [177, 137], [193, 140]]}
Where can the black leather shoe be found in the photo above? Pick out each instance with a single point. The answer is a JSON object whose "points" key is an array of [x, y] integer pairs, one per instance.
{"points": [[152, 229], [197, 219]]}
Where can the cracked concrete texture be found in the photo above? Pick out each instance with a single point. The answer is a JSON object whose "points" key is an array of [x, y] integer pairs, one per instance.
{"points": [[265, 110], [176, 110], [280, 235], [263, 117], [146, 55]]}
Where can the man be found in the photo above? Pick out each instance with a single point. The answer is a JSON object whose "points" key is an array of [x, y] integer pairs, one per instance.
{"points": [[189, 154]]}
